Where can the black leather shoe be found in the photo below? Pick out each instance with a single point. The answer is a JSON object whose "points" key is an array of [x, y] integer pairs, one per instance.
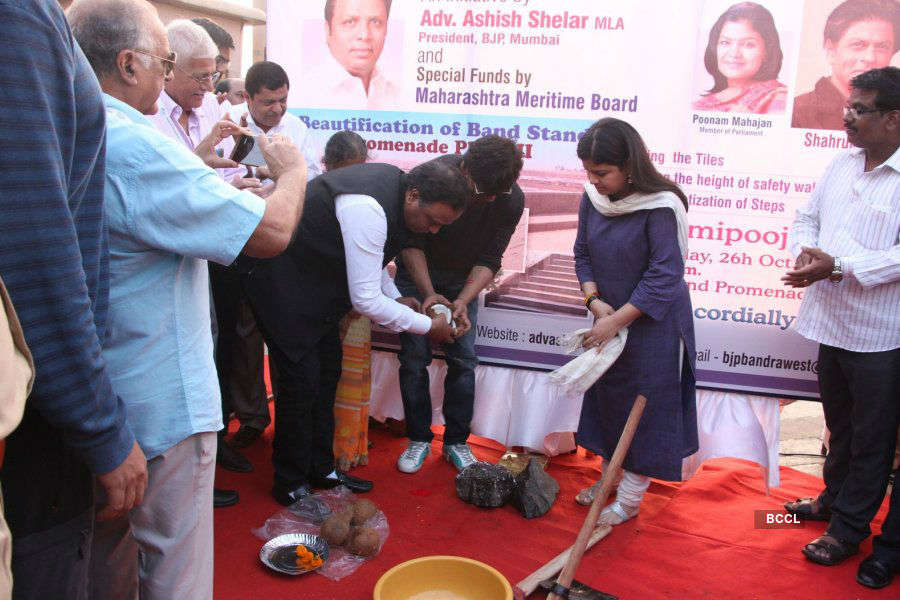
{"points": [[231, 460], [245, 436], [875, 573], [224, 498], [354, 484], [286, 497]]}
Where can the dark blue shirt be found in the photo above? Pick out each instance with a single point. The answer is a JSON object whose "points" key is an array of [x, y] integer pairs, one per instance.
{"points": [[53, 241]]}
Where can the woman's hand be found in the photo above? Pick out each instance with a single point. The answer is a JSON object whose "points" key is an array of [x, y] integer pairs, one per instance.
{"points": [[604, 329], [600, 309]]}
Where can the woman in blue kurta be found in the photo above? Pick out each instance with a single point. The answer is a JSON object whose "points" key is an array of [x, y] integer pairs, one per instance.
{"points": [[629, 257]]}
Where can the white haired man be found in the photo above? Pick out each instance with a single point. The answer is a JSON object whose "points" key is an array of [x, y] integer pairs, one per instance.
{"points": [[168, 214], [188, 112]]}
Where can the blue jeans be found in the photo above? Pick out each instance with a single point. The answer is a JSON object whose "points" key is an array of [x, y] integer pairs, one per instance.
{"points": [[415, 356]]}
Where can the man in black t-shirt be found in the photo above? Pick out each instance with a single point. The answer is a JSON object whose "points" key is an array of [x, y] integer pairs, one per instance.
{"points": [[451, 267]]}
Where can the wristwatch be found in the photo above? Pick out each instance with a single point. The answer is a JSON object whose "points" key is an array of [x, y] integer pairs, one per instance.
{"points": [[837, 272]]}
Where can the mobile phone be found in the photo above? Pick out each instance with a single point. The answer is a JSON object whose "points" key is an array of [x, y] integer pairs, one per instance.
{"points": [[246, 151]]}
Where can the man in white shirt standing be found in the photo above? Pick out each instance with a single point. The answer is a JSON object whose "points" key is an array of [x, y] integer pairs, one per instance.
{"points": [[848, 244], [266, 88], [187, 114]]}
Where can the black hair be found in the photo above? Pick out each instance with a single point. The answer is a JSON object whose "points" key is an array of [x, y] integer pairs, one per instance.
{"points": [[329, 9], [614, 142], [493, 163], [223, 87], [885, 82], [762, 22], [344, 148], [440, 181], [220, 37], [265, 74], [847, 13]]}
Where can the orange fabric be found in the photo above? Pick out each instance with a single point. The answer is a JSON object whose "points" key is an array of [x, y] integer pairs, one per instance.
{"points": [[351, 403]]}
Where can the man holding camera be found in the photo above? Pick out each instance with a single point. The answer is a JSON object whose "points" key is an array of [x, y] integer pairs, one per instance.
{"points": [[168, 213]]}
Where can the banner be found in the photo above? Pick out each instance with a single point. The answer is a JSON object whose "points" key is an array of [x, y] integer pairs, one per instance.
{"points": [[433, 75]]}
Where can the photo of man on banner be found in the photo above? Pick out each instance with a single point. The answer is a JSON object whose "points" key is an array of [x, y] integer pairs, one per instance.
{"points": [[349, 75], [858, 35]]}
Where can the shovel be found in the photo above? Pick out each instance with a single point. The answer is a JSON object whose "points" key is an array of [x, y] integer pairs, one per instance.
{"points": [[589, 535]]}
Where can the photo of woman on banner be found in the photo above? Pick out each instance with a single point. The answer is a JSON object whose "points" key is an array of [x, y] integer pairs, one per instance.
{"points": [[744, 57], [858, 35], [629, 258]]}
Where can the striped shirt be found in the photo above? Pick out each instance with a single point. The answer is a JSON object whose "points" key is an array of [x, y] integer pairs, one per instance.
{"points": [[854, 215], [53, 238]]}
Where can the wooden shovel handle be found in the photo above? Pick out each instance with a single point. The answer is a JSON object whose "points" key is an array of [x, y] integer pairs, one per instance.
{"points": [[615, 463], [552, 567]]}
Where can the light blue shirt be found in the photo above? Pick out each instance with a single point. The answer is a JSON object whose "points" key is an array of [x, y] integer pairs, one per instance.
{"points": [[168, 214]]}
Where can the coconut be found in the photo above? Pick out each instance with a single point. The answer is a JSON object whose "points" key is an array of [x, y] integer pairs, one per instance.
{"points": [[365, 542], [335, 530], [363, 510]]}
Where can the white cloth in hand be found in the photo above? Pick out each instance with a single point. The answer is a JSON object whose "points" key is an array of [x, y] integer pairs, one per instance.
{"points": [[581, 372]]}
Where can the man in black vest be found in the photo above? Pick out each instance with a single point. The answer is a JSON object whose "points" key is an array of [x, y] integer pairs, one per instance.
{"points": [[458, 262], [355, 221]]}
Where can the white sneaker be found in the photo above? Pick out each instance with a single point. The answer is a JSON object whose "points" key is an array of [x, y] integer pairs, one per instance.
{"points": [[460, 455], [413, 457]]}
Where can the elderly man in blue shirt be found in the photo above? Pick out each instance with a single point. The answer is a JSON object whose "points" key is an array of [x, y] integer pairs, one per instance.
{"points": [[168, 214]]}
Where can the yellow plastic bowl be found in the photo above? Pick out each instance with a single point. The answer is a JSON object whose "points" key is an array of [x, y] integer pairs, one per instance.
{"points": [[442, 578]]}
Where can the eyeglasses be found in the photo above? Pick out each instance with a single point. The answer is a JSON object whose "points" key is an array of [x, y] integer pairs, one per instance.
{"points": [[210, 78], [479, 195], [168, 63], [854, 112]]}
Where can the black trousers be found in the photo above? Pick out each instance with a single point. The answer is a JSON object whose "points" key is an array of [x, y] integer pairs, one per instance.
{"points": [[860, 394], [303, 446], [238, 352], [48, 496]]}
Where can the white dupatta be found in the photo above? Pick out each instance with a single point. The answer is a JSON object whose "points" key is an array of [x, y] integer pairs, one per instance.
{"points": [[581, 372]]}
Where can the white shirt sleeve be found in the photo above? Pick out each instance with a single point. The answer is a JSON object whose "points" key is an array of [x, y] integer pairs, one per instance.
{"points": [[299, 134], [387, 285], [364, 229]]}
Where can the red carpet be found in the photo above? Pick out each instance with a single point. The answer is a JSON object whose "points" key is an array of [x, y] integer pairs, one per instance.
{"points": [[692, 540]]}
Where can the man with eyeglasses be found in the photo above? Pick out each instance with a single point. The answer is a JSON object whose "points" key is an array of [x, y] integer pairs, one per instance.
{"points": [[223, 41], [456, 263], [187, 113], [187, 108], [847, 242], [168, 213]]}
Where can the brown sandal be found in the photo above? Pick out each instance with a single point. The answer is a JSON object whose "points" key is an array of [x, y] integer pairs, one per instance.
{"points": [[808, 509], [834, 550]]}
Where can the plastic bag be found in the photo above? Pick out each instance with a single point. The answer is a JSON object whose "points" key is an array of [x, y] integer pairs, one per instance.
{"points": [[307, 515]]}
